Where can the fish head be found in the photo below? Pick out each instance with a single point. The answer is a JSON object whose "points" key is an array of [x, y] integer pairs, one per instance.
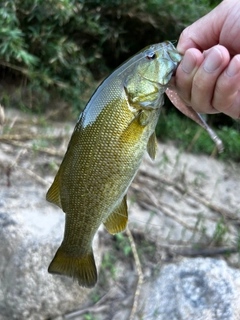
{"points": [[149, 72], [159, 62]]}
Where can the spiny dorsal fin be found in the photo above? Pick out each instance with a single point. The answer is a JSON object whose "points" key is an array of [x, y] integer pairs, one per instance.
{"points": [[82, 268], [53, 195], [152, 146], [117, 220]]}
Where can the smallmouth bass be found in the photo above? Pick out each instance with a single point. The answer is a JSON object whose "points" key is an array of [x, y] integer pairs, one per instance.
{"points": [[104, 154]]}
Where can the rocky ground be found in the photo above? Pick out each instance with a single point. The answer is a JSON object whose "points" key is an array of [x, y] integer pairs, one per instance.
{"points": [[181, 207]]}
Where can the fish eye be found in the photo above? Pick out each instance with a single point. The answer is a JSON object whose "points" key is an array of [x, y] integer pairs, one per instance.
{"points": [[151, 55]]}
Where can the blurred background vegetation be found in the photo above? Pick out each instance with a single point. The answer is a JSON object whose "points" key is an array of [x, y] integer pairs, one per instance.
{"points": [[54, 53]]}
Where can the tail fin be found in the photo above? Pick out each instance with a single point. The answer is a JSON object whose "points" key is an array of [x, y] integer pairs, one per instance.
{"points": [[81, 268]]}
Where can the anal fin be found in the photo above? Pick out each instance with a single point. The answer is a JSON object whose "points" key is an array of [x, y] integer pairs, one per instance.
{"points": [[53, 195], [117, 220]]}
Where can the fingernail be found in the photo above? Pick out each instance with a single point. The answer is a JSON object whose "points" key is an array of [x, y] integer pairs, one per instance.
{"points": [[213, 60], [234, 66], [188, 63]]}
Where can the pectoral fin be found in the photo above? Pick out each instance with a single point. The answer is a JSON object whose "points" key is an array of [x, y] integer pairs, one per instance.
{"points": [[143, 118], [117, 220], [53, 195], [152, 146]]}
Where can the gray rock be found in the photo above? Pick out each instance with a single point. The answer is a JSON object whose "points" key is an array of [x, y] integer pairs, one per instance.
{"points": [[195, 289], [30, 232]]}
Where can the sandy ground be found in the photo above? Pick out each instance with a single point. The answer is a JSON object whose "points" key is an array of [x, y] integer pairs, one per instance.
{"points": [[180, 205]]}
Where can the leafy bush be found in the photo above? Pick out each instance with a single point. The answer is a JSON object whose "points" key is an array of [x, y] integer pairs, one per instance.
{"points": [[59, 48], [55, 52]]}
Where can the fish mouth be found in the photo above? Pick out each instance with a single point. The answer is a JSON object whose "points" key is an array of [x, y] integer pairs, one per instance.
{"points": [[174, 72]]}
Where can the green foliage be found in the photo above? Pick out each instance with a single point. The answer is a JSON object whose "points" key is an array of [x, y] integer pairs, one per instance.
{"points": [[220, 232], [12, 45], [56, 48], [108, 263], [191, 137], [89, 316], [122, 243], [231, 140]]}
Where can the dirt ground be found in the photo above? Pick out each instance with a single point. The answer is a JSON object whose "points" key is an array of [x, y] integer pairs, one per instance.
{"points": [[180, 205]]}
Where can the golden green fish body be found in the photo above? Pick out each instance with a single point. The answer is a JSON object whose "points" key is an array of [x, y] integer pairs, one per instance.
{"points": [[104, 154]]}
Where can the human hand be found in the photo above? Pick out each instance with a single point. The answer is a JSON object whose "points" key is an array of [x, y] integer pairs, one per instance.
{"points": [[209, 81]]}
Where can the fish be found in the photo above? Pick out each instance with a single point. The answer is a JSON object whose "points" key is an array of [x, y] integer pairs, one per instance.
{"points": [[105, 151]]}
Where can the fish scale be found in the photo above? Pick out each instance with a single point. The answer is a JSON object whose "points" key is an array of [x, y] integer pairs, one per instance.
{"points": [[104, 154], [111, 136]]}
